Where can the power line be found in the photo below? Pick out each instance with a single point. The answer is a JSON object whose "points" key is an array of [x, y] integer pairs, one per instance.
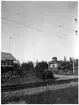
{"points": [[10, 11], [34, 19], [66, 28], [30, 27], [59, 26]]}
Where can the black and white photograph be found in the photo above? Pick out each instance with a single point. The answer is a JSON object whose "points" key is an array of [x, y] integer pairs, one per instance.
{"points": [[39, 52]]}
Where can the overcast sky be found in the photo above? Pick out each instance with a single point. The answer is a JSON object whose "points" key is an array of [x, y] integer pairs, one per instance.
{"points": [[39, 33]]}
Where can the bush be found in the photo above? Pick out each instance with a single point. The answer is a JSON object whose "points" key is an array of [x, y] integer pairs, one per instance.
{"points": [[38, 72], [48, 75], [41, 71], [27, 67], [42, 74], [42, 65]]}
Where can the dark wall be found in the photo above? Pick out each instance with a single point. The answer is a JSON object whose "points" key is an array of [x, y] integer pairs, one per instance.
{"points": [[6, 69]]}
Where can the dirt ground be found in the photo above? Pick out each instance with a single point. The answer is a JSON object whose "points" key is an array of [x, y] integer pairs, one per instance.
{"points": [[53, 94]]}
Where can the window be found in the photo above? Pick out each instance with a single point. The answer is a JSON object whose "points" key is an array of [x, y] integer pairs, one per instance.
{"points": [[51, 65], [6, 63], [2, 63]]}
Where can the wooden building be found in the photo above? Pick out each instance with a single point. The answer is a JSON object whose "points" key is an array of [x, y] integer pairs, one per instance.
{"points": [[54, 64], [7, 60]]}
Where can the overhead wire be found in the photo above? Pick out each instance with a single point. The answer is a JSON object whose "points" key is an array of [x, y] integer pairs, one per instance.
{"points": [[30, 27], [31, 19], [59, 26], [25, 25]]}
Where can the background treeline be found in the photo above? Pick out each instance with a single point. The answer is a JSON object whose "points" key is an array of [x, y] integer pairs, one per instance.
{"points": [[27, 68]]}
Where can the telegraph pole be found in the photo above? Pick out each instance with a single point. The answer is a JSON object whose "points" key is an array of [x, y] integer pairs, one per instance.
{"points": [[73, 66], [9, 43], [34, 52], [76, 21]]}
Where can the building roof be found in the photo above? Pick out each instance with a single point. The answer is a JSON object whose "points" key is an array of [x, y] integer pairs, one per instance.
{"points": [[54, 62], [7, 56]]}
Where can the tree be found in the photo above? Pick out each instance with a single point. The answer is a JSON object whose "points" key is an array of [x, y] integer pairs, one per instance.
{"points": [[27, 67], [64, 59], [67, 65], [40, 68], [30, 64], [42, 65], [17, 69], [76, 62], [17, 65], [71, 59]]}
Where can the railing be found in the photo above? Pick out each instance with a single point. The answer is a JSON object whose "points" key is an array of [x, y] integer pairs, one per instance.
{"points": [[6, 65]]}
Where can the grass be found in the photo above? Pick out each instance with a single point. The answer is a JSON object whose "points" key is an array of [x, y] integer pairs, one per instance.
{"points": [[30, 79], [20, 80], [64, 94]]}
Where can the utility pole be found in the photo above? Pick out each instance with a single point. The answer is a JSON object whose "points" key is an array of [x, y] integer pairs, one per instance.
{"points": [[9, 43], [73, 66], [34, 52]]}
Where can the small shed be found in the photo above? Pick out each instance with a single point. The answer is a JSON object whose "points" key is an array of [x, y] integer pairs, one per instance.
{"points": [[54, 64]]}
